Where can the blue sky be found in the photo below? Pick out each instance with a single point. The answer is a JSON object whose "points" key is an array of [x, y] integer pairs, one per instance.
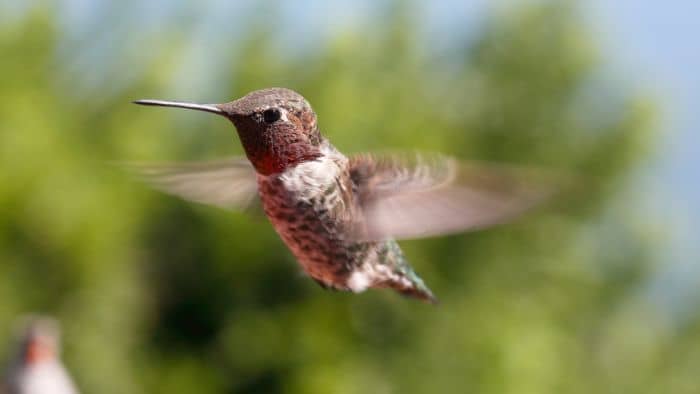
{"points": [[656, 44]]}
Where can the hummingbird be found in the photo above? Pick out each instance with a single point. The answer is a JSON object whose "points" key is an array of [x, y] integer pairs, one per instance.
{"points": [[36, 367], [340, 216]]}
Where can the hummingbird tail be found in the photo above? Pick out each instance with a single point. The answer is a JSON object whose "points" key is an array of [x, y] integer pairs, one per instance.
{"points": [[422, 293], [411, 285], [405, 280]]}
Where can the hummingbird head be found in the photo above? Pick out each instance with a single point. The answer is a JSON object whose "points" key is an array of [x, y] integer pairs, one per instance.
{"points": [[276, 126], [40, 341]]}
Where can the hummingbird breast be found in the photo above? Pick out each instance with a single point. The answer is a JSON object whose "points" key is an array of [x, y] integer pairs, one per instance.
{"points": [[308, 206]]}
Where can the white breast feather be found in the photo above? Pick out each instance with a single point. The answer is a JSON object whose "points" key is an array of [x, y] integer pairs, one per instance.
{"points": [[309, 180]]}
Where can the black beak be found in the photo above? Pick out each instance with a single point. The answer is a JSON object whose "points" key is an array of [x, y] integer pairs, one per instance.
{"points": [[213, 108]]}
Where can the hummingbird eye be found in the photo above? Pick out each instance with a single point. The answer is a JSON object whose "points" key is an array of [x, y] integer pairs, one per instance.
{"points": [[271, 115]]}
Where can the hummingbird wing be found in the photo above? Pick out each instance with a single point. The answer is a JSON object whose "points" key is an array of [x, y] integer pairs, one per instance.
{"points": [[230, 183], [415, 196]]}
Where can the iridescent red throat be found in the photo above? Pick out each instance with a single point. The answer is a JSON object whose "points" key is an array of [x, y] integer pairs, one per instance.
{"points": [[274, 151]]}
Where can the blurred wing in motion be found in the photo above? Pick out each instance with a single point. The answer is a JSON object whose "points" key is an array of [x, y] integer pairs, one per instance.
{"points": [[229, 183], [415, 196]]}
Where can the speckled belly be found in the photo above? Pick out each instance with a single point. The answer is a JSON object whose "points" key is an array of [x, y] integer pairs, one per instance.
{"points": [[311, 234]]}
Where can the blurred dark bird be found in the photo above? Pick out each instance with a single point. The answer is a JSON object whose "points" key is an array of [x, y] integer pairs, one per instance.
{"points": [[341, 216], [36, 367]]}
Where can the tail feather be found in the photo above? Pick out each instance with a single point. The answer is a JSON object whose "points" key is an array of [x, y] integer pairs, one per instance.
{"points": [[416, 289], [408, 282], [421, 294]]}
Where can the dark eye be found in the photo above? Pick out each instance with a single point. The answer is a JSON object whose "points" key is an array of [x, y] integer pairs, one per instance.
{"points": [[271, 115]]}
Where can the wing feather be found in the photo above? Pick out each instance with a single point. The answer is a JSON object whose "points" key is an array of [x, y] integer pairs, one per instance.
{"points": [[229, 183], [415, 196]]}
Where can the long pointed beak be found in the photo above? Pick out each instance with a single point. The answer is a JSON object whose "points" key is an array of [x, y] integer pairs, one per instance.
{"points": [[179, 104]]}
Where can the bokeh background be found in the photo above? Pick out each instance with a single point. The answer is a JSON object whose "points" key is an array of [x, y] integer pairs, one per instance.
{"points": [[596, 292]]}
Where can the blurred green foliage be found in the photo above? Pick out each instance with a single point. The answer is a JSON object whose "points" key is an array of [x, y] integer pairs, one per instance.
{"points": [[157, 295]]}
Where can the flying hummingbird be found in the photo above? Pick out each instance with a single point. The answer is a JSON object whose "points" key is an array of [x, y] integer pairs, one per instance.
{"points": [[36, 367], [340, 216]]}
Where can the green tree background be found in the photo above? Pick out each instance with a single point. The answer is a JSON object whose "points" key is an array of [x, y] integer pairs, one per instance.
{"points": [[157, 295]]}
